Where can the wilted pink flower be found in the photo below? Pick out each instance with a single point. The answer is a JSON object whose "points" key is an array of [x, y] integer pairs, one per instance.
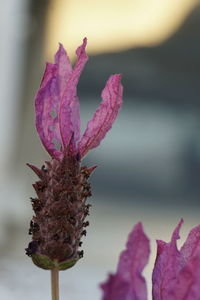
{"points": [[176, 274], [62, 190]]}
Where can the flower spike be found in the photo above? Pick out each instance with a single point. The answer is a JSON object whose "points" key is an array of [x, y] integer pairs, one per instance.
{"points": [[62, 189]]}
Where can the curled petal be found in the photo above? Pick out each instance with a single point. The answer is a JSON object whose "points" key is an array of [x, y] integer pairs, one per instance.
{"points": [[69, 111], [104, 116], [128, 282], [48, 101]]}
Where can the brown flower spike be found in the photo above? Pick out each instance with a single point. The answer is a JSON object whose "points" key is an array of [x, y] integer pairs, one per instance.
{"points": [[60, 211], [60, 206]]}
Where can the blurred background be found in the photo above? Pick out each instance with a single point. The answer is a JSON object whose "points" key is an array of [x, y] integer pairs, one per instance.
{"points": [[148, 164]]}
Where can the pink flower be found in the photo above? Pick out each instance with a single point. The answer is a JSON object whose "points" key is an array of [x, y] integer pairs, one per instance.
{"points": [[57, 107], [176, 274]]}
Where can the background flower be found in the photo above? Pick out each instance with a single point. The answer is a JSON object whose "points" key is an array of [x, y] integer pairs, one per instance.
{"points": [[176, 274]]}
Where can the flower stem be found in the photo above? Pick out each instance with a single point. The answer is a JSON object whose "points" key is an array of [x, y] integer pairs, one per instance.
{"points": [[55, 284]]}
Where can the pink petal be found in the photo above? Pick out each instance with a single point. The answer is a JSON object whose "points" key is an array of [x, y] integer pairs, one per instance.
{"points": [[188, 282], [48, 100], [64, 67], [165, 269], [116, 288], [50, 71], [128, 283], [104, 116], [46, 107], [69, 111], [176, 274], [192, 246]]}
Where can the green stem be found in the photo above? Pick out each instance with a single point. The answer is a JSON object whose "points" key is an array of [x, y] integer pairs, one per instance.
{"points": [[55, 284]]}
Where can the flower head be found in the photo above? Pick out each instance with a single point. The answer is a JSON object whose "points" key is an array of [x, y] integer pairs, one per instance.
{"points": [[176, 274], [62, 190]]}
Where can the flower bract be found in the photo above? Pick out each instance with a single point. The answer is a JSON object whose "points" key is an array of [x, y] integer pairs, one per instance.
{"points": [[57, 107]]}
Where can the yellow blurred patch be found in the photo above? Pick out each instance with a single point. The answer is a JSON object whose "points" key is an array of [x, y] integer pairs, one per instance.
{"points": [[113, 25]]}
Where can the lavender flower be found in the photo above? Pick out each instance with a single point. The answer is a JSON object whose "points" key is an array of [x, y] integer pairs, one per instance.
{"points": [[62, 190], [176, 274]]}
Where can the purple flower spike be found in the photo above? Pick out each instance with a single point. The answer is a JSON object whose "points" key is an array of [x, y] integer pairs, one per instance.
{"points": [[176, 274], [128, 282], [60, 206], [57, 107]]}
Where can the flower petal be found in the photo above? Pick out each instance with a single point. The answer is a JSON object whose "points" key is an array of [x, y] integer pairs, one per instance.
{"points": [[69, 111], [104, 116], [192, 245], [48, 100], [128, 283], [165, 269], [116, 288], [188, 281], [64, 67]]}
